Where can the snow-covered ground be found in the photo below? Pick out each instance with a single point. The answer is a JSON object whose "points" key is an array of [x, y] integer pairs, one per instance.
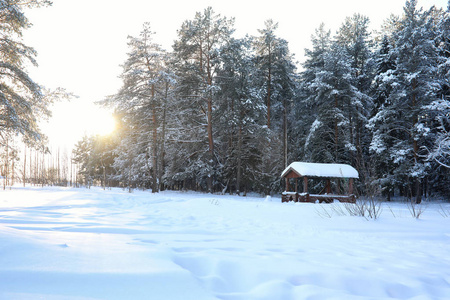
{"points": [[62, 243]]}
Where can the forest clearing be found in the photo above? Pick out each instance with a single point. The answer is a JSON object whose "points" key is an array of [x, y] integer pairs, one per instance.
{"points": [[68, 243]]}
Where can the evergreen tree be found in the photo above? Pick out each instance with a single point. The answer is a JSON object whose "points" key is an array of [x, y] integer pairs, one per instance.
{"points": [[306, 108], [22, 101], [384, 65], [401, 126], [331, 94], [354, 37], [82, 157], [141, 103], [240, 115], [276, 76], [439, 150], [197, 61], [278, 81]]}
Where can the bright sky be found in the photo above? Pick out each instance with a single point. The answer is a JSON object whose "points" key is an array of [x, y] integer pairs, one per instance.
{"points": [[82, 43]]}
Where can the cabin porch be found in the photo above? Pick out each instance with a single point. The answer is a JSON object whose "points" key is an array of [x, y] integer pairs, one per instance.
{"points": [[313, 198]]}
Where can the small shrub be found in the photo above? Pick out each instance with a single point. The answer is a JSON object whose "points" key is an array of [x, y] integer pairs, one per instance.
{"points": [[367, 208], [416, 209], [444, 211], [323, 213]]}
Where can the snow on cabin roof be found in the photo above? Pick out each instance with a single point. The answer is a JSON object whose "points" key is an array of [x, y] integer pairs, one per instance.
{"points": [[321, 170]]}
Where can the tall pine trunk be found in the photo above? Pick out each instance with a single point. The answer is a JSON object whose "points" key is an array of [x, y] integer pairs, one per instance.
{"points": [[24, 178], [269, 88], [285, 135], [210, 144], [210, 126], [336, 132], [155, 187], [163, 138], [239, 161], [418, 184]]}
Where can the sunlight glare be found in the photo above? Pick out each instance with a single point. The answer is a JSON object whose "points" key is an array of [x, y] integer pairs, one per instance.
{"points": [[103, 123], [70, 121]]}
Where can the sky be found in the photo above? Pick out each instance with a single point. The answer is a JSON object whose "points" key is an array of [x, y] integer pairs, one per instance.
{"points": [[81, 44]]}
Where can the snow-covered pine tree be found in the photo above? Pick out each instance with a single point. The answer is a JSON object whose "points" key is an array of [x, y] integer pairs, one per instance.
{"points": [[401, 126], [22, 101], [331, 94], [384, 64], [196, 62], [384, 67], [439, 151], [240, 116], [141, 103], [354, 37], [305, 107], [82, 157], [277, 78]]}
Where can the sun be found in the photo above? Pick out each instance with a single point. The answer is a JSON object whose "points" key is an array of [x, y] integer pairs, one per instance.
{"points": [[94, 120], [102, 122], [72, 120]]}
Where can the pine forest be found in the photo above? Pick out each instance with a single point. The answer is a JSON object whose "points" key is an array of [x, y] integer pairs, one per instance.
{"points": [[222, 114]]}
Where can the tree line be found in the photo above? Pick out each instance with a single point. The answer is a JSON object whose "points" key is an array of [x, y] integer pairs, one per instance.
{"points": [[24, 154], [220, 113]]}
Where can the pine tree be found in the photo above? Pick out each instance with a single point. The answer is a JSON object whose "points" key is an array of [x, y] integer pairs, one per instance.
{"points": [[439, 151], [277, 79], [197, 60], [331, 94], [22, 101], [82, 157], [240, 116], [306, 108], [354, 37], [384, 68], [401, 126], [141, 102]]}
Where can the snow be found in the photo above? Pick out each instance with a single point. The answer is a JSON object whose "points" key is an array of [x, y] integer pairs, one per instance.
{"points": [[63, 243], [321, 170]]}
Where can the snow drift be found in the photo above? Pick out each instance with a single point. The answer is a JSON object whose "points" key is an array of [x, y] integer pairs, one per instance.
{"points": [[61, 243]]}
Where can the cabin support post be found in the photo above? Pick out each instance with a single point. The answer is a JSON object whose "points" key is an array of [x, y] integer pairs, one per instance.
{"points": [[287, 185], [305, 185], [328, 186]]}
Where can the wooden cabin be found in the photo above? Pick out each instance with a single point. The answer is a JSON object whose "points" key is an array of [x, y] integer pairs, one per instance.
{"points": [[326, 172]]}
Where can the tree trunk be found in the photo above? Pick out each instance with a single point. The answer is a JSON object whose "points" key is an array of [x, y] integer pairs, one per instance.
{"points": [[269, 87], [209, 125], [210, 143], [6, 171], [155, 188], [418, 190], [336, 131], [239, 161], [285, 135], [24, 178], [163, 138], [418, 183]]}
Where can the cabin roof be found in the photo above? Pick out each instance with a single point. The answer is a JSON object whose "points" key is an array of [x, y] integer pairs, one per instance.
{"points": [[303, 169]]}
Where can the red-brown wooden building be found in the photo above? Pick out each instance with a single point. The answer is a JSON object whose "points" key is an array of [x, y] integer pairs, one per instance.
{"points": [[327, 172]]}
